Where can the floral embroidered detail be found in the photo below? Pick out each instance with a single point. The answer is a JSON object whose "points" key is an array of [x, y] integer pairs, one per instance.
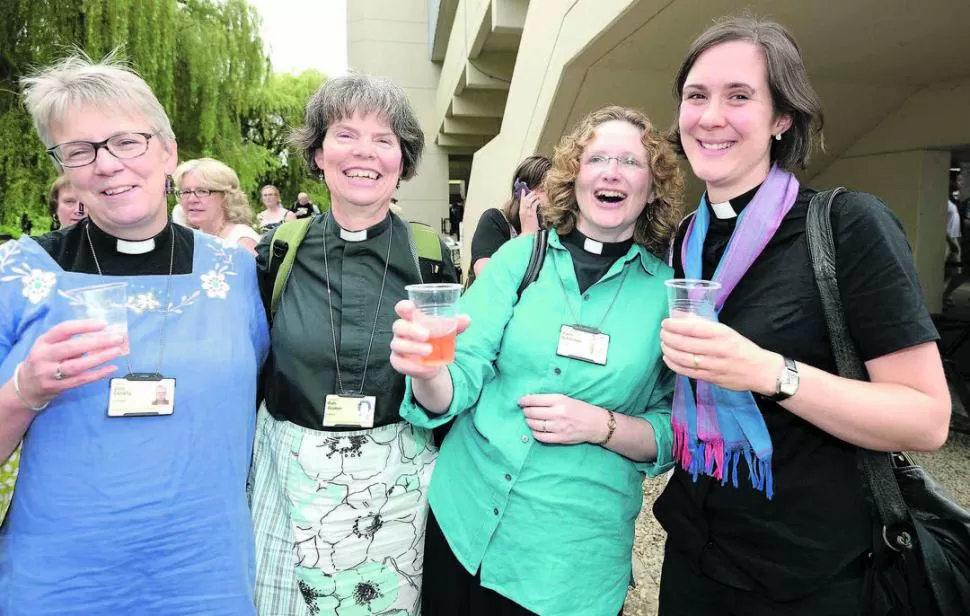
{"points": [[37, 284], [143, 302], [214, 284]]}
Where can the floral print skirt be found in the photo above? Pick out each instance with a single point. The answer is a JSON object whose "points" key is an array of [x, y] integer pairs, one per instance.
{"points": [[8, 477], [339, 519]]}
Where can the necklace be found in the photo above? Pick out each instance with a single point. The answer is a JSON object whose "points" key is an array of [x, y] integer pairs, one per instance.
{"points": [[168, 294], [377, 314]]}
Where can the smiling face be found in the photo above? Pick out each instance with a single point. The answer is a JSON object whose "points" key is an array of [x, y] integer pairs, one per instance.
{"points": [[206, 213], [125, 198], [727, 119], [70, 210], [614, 182], [361, 160]]}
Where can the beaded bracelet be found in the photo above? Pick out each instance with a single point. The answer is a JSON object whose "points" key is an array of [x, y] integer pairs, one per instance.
{"points": [[16, 389]]}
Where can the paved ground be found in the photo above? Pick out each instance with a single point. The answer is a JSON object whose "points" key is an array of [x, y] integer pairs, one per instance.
{"points": [[949, 466]]}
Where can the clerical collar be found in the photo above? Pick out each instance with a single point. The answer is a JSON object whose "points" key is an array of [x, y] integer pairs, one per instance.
{"points": [[106, 241], [734, 207], [608, 249], [364, 234]]}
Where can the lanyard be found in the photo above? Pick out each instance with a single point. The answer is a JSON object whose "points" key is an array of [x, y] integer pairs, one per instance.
{"points": [[569, 304], [380, 298], [168, 295]]}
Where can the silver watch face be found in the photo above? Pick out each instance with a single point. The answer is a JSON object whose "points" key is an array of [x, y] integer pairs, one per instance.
{"points": [[788, 384]]}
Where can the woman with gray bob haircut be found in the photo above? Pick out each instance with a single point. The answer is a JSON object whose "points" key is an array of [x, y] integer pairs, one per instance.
{"points": [[123, 505], [340, 482]]}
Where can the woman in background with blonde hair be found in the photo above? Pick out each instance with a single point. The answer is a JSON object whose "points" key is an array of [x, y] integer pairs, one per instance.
{"points": [[214, 203]]}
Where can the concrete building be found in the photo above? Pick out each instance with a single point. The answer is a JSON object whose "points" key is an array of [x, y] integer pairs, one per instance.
{"points": [[497, 80]]}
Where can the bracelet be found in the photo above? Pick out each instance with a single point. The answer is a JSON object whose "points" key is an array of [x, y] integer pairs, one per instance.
{"points": [[611, 425], [16, 389]]}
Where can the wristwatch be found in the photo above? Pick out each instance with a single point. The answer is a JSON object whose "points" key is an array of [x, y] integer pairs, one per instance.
{"points": [[787, 383]]}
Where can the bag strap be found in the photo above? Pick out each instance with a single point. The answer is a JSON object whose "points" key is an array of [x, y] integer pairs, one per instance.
{"points": [[536, 260], [876, 466], [282, 254]]}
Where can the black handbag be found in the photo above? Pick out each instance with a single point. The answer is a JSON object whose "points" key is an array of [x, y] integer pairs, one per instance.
{"points": [[921, 543]]}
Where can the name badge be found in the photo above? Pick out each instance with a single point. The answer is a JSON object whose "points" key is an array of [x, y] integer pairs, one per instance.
{"points": [[141, 395], [349, 411], [583, 343]]}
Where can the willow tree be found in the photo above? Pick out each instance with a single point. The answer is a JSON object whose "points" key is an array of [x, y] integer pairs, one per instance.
{"points": [[203, 59]]}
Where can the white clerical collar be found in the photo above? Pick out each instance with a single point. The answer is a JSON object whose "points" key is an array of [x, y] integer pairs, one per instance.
{"points": [[590, 245], [136, 248], [724, 210], [353, 236]]}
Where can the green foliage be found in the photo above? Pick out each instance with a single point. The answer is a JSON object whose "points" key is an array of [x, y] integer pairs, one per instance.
{"points": [[203, 59]]}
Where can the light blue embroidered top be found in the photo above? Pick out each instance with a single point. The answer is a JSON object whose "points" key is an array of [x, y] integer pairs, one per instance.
{"points": [[137, 515], [550, 526]]}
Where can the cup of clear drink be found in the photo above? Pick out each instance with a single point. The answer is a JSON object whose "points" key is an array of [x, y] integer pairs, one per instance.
{"points": [[103, 302], [437, 311], [691, 297]]}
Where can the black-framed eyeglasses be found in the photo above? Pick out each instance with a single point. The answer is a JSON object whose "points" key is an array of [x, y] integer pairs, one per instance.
{"points": [[201, 193], [73, 154]]}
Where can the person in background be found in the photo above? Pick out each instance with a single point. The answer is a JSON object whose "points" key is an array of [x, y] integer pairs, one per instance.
{"points": [[560, 400], [214, 203], [456, 213], [519, 216], [65, 207], [766, 512], [275, 214], [304, 208], [117, 514], [339, 496], [953, 268], [26, 226]]}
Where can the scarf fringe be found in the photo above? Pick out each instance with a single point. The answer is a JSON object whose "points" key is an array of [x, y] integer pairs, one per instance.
{"points": [[709, 458]]}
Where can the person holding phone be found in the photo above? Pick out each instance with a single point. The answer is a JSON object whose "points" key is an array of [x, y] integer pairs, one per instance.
{"points": [[520, 215]]}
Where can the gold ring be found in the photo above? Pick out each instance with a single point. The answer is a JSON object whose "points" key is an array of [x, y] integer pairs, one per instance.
{"points": [[697, 361], [545, 425], [58, 374]]}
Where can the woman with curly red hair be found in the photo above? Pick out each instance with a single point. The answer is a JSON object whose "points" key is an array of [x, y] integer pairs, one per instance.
{"points": [[560, 398]]}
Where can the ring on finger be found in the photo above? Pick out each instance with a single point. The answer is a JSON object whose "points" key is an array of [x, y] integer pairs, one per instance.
{"points": [[58, 373], [697, 361], [545, 425]]}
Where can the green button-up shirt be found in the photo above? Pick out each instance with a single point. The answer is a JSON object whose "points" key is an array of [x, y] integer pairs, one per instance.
{"points": [[551, 526]]}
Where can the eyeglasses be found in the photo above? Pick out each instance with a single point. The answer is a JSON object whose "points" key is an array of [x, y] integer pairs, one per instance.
{"points": [[81, 153], [201, 193], [627, 162]]}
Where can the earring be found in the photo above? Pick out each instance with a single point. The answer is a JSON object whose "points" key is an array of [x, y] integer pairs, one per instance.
{"points": [[322, 179], [778, 137], [169, 185]]}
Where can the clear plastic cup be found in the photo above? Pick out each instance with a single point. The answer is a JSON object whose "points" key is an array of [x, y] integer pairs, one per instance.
{"points": [[692, 297], [437, 306], [103, 302]]}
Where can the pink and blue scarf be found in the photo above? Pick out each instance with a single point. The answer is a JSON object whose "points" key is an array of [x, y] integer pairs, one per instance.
{"points": [[714, 426]]}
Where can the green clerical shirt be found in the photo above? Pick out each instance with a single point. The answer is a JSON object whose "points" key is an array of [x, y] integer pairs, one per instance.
{"points": [[550, 526]]}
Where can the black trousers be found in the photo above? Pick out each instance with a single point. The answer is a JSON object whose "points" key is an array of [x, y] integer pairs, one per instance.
{"points": [[449, 590], [686, 591]]}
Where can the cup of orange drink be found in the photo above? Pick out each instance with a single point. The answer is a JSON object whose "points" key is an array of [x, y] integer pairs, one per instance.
{"points": [[437, 311]]}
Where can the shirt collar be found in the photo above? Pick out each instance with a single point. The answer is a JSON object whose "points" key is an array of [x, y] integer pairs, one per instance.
{"points": [[648, 261]]}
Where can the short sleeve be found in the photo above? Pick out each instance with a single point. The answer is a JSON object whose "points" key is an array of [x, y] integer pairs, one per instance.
{"points": [[882, 297], [492, 231]]}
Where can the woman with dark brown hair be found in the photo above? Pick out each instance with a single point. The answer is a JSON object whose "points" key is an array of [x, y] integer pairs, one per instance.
{"points": [[560, 399], [65, 207], [520, 215], [794, 534]]}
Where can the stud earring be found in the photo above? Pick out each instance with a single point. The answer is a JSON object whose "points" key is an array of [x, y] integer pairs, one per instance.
{"points": [[778, 137]]}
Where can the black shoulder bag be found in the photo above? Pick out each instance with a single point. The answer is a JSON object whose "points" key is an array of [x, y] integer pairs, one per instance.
{"points": [[921, 551]]}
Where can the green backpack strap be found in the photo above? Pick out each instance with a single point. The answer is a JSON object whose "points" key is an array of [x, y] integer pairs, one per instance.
{"points": [[286, 239], [426, 241]]}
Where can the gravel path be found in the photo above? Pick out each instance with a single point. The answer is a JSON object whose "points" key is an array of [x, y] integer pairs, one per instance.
{"points": [[949, 466]]}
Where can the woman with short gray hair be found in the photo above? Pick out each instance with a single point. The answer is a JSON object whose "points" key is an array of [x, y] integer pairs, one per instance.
{"points": [[136, 439], [340, 483]]}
